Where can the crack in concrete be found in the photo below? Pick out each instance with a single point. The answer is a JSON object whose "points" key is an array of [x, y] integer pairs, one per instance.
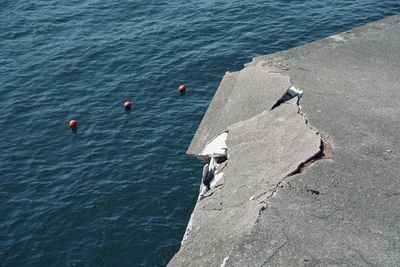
{"points": [[338, 103], [274, 253], [290, 93], [325, 152], [218, 148], [319, 155], [206, 196]]}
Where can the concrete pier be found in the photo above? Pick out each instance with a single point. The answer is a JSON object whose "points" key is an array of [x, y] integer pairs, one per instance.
{"points": [[316, 180]]}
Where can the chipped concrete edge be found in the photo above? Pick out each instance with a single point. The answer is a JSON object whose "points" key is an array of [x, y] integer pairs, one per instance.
{"points": [[216, 155], [273, 63]]}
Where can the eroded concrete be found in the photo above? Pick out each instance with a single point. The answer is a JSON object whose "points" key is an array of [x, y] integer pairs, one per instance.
{"points": [[240, 96], [262, 151], [343, 210]]}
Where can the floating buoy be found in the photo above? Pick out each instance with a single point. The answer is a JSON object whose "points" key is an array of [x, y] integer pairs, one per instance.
{"points": [[73, 124], [128, 105], [182, 89]]}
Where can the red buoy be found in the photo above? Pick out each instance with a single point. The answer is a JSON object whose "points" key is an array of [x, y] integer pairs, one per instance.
{"points": [[182, 89], [73, 124], [128, 105]]}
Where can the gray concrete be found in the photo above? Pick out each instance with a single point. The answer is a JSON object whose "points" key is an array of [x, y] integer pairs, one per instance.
{"points": [[342, 211], [240, 96]]}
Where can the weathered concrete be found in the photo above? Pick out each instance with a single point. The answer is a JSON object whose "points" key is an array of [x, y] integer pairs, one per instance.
{"points": [[240, 96], [340, 211]]}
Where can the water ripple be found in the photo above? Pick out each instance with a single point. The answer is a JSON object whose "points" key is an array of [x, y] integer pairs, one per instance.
{"points": [[120, 191]]}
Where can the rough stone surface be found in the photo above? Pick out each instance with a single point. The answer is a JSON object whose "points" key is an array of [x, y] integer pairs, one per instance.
{"points": [[263, 150], [240, 96], [342, 211]]}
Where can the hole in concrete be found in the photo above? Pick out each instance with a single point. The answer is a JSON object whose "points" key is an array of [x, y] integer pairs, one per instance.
{"points": [[290, 93], [221, 159], [325, 152], [312, 191], [215, 153], [208, 176]]}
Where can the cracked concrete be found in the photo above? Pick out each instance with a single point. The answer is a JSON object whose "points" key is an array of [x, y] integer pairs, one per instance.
{"points": [[341, 210], [240, 96], [263, 149]]}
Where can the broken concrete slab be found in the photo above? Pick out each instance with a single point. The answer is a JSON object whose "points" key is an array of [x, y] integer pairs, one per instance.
{"points": [[262, 151], [209, 127], [241, 95], [342, 211], [216, 147], [352, 93], [265, 149]]}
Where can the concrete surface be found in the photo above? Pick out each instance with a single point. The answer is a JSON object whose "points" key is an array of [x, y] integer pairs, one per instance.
{"points": [[339, 210]]}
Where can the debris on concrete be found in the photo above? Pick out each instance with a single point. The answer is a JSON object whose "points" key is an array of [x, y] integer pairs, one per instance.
{"points": [[216, 147]]}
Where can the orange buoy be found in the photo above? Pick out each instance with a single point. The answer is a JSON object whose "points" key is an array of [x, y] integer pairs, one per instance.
{"points": [[73, 124], [128, 105], [182, 89]]}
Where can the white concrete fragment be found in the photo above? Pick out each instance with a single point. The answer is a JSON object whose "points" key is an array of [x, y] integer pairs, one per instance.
{"points": [[213, 164], [206, 169], [217, 146], [293, 91], [216, 179]]}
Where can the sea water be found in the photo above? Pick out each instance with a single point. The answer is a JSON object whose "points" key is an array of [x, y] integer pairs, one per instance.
{"points": [[120, 191]]}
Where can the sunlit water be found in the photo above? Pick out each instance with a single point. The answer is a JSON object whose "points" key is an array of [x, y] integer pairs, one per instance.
{"points": [[120, 191]]}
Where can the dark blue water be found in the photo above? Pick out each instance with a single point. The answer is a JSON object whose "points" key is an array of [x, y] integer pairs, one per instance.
{"points": [[120, 191]]}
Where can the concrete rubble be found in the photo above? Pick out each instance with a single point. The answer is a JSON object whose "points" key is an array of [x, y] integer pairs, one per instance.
{"points": [[297, 179]]}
